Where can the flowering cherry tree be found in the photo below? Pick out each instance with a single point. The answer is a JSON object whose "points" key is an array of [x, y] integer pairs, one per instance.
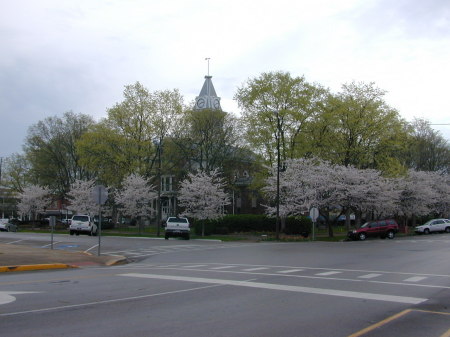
{"points": [[135, 197], [80, 197], [202, 195], [33, 198], [440, 184], [311, 182], [304, 183], [416, 194]]}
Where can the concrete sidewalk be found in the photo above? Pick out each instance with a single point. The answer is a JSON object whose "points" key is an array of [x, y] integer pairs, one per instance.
{"points": [[23, 258]]}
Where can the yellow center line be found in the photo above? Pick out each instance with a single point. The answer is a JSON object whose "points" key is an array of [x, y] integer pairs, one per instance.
{"points": [[394, 317], [447, 334], [381, 323]]}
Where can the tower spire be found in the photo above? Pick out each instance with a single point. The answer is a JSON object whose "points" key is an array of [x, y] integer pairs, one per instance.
{"points": [[207, 59]]}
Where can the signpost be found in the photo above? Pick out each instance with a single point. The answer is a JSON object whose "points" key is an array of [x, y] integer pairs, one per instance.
{"points": [[52, 223], [99, 195], [314, 214]]}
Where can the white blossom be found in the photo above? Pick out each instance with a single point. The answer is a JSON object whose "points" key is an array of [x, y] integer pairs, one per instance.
{"points": [[33, 199], [202, 195], [80, 196], [135, 197]]}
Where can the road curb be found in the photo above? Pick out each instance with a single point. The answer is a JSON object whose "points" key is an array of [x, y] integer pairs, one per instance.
{"points": [[28, 267]]}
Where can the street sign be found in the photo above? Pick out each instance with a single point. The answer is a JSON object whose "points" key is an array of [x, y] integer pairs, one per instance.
{"points": [[314, 214], [99, 194]]}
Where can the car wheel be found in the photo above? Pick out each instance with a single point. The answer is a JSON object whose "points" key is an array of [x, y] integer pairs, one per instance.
{"points": [[362, 236], [390, 235], [447, 229], [426, 231]]}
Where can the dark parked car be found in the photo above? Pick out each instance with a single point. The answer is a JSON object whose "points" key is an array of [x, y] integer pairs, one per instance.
{"points": [[380, 228]]}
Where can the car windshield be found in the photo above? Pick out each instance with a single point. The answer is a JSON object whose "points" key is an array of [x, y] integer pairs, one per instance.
{"points": [[365, 225], [80, 218], [182, 220], [428, 223]]}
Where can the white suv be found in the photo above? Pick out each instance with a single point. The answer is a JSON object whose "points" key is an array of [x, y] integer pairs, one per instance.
{"points": [[80, 224], [177, 227], [434, 226]]}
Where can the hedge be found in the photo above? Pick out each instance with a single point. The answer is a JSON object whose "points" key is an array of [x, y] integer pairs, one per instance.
{"points": [[244, 223]]}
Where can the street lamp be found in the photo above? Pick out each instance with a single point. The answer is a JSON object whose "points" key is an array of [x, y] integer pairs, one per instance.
{"points": [[277, 223]]}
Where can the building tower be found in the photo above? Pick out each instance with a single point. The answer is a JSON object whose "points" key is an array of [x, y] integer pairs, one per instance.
{"points": [[207, 99]]}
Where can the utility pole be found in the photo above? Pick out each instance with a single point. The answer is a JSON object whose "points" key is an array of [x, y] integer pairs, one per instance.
{"points": [[1, 187], [157, 143], [277, 223]]}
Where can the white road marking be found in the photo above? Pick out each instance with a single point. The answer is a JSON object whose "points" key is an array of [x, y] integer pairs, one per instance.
{"points": [[289, 271], [369, 276], [54, 243], [255, 269], [102, 302], [327, 273], [415, 279], [10, 243], [224, 267], [6, 296], [195, 266], [87, 250], [307, 290]]}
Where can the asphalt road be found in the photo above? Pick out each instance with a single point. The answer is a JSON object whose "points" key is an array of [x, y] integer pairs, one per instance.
{"points": [[397, 287]]}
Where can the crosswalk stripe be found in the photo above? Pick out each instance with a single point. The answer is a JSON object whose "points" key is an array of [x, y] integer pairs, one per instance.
{"points": [[415, 279], [223, 267], [289, 271], [255, 269], [369, 276], [328, 273], [271, 286]]}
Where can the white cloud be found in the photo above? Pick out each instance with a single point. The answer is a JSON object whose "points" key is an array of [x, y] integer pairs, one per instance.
{"points": [[78, 55]]}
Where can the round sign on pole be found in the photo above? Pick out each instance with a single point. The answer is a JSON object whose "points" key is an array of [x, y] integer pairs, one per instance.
{"points": [[99, 194], [314, 214]]}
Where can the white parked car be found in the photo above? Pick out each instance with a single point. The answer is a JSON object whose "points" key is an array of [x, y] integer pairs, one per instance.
{"points": [[434, 226], [82, 224], [177, 227], [7, 226]]}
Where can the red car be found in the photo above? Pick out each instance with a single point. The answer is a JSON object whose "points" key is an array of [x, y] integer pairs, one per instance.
{"points": [[379, 228]]}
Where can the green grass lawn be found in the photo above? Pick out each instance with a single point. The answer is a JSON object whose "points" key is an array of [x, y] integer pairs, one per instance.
{"points": [[339, 234]]}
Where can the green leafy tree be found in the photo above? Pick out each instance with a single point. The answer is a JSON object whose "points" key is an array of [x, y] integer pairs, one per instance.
{"points": [[277, 106], [15, 172], [124, 142], [50, 150], [427, 149], [207, 139], [365, 132]]}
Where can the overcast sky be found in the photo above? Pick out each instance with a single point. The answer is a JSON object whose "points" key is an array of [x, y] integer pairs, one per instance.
{"points": [[61, 55]]}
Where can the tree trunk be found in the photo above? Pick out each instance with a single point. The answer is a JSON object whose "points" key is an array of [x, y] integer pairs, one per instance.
{"points": [[326, 214], [347, 219], [283, 224], [358, 216]]}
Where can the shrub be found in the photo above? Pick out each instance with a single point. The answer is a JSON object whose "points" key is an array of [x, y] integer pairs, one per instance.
{"points": [[236, 223], [244, 223], [299, 225]]}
